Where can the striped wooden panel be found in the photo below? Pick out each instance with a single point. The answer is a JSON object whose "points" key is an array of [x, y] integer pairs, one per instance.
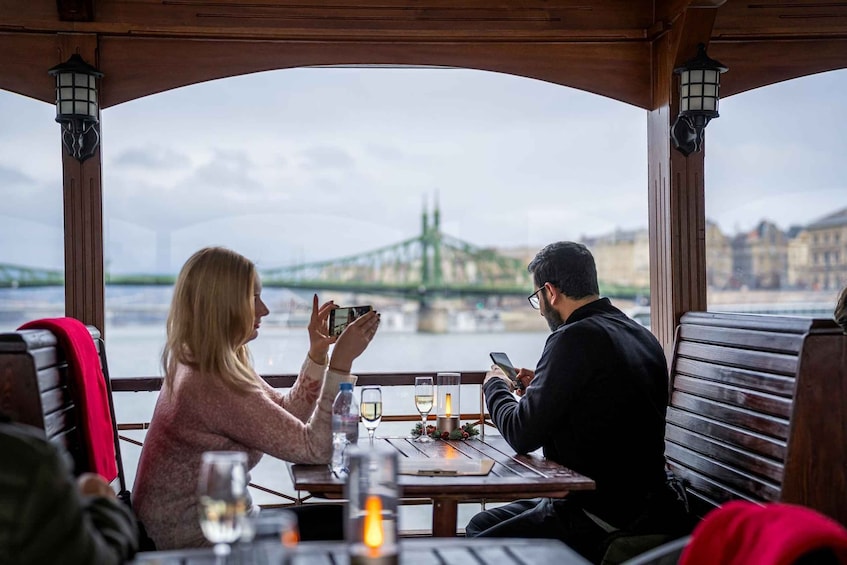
{"points": [[733, 384], [754, 380]]}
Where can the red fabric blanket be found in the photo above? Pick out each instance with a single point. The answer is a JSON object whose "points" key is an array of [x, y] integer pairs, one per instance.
{"points": [[744, 533], [89, 389]]}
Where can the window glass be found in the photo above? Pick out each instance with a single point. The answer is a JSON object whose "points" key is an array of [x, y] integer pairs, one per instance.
{"points": [[775, 199], [31, 232], [336, 175]]}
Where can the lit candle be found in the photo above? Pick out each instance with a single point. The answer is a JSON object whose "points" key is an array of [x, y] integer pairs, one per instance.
{"points": [[448, 405], [373, 535]]}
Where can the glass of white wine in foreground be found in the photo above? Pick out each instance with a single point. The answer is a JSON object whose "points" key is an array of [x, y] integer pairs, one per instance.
{"points": [[423, 402], [222, 488], [371, 409]]}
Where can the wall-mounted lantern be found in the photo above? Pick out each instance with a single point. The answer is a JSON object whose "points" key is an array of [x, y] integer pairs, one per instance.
{"points": [[77, 109], [699, 92]]}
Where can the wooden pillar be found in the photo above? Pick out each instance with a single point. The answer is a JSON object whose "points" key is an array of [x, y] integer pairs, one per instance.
{"points": [[677, 214], [83, 211]]}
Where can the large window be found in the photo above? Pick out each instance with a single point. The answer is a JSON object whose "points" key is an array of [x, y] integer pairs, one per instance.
{"points": [[31, 232], [307, 166], [777, 199]]}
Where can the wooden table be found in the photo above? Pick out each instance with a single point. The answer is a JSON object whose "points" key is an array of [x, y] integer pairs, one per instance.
{"points": [[421, 551], [512, 477]]}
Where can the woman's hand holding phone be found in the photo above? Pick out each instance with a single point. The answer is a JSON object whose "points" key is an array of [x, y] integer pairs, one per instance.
{"points": [[353, 341], [319, 340]]}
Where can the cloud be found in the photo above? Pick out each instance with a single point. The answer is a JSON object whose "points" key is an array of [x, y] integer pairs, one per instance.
{"points": [[156, 157], [324, 157], [327, 162], [15, 177]]}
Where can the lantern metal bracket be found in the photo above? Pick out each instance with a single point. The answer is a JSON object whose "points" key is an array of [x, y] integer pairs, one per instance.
{"points": [[80, 138]]}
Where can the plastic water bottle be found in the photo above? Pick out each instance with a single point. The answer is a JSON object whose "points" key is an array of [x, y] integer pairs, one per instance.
{"points": [[345, 428]]}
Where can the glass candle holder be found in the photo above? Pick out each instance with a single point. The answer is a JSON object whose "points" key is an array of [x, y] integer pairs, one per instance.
{"points": [[372, 493], [448, 386]]}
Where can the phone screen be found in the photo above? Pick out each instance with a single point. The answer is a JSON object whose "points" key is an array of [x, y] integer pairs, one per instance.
{"points": [[502, 360], [340, 317]]}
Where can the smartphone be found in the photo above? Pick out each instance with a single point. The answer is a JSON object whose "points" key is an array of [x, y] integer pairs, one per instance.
{"points": [[502, 360], [340, 317]]}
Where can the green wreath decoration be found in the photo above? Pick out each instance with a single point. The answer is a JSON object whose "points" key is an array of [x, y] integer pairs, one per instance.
{"points": [[466, 431]]}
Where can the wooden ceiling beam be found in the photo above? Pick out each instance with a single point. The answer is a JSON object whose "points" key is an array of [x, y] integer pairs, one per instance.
{"points": [[75, 10], [136, 67]]}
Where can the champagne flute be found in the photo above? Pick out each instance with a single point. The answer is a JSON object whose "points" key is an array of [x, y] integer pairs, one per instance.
{"points": [[371, 409], [222, 489], [423, 402]]}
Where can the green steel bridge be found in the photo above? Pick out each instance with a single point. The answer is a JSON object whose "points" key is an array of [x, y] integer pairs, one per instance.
{"points": [[432, 264]]}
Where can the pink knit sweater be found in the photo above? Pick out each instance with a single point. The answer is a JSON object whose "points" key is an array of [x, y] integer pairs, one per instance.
{"points": [[203, 414]]}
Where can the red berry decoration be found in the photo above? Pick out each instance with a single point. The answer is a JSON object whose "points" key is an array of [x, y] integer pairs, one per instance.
{"points": [[465, 435], [445, 435]]}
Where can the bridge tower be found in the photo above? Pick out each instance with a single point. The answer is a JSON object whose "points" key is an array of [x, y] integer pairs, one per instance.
{"points": [[432, 315]]}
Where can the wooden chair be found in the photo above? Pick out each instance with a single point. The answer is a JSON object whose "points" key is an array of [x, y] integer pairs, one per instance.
{"points": [[35, 390], [758, 411]]}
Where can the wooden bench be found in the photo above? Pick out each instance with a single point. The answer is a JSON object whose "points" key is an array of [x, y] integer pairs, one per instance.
{"points": [[35, 390], [758, 411]]}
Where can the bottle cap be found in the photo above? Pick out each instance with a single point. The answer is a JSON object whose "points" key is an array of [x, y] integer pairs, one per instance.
{"points": [[346, 386]]}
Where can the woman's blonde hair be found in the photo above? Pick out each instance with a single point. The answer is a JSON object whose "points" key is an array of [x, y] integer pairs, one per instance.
{"points": [[212, 317], [840, 313]]}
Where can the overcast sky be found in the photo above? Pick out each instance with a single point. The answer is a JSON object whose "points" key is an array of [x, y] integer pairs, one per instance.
{"points": [[311, 164]]}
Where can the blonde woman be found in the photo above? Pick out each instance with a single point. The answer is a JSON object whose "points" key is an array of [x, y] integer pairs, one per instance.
{"points": [[213, 400]]}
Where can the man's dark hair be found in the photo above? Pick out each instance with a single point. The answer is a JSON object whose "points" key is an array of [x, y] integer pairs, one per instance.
{"points": [[568, 266]]}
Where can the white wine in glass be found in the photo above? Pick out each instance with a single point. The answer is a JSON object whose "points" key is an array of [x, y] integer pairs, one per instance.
{"points": [[371, 409], [222, 490], [423, 402]]}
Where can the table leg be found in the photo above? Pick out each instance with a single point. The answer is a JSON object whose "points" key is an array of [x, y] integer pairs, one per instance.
{"points": [[444, 516]]}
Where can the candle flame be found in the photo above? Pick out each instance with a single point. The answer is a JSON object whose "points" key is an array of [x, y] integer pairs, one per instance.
{"points": [[373, 522], [448, 405]]}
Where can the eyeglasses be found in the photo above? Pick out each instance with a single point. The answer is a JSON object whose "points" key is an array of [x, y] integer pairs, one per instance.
{"points": [[533, 298]]}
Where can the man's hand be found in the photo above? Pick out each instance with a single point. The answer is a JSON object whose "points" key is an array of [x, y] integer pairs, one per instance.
{"points": [[525, 376], [92, 484], [497, 373]]}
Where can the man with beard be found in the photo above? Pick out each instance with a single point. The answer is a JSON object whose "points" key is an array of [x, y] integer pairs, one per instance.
{"points": [[596, 404]]}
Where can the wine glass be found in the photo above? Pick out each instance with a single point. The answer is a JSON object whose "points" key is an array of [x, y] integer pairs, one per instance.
{"points": [[423, 402], [371, 409], [222, 489]]}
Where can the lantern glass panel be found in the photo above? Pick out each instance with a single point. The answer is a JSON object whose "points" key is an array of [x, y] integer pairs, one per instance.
{"points": [[66, 93], [448, 387], [695, 103], [710, 76], [66, 107], [697, 76], [696, 90], [710, 90], [372, 493], [66, 79], [710, 104]]}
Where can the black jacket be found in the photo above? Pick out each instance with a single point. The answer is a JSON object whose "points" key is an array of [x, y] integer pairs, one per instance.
{"points": [[597, 405], [44, 519]]}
